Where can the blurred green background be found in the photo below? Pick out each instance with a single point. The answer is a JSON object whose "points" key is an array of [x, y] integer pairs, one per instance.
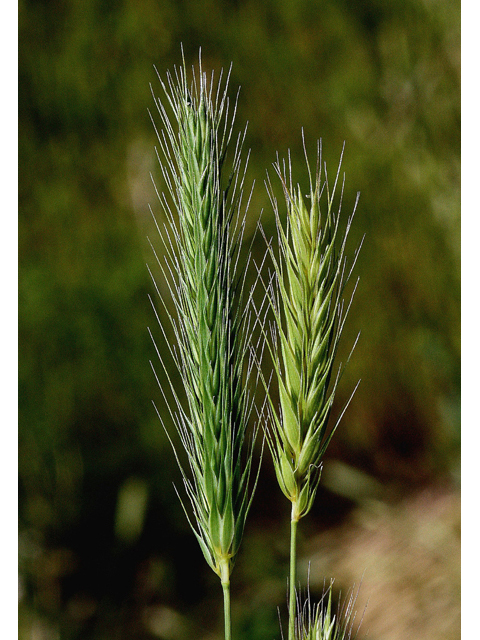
{"points": [[104, 548]]}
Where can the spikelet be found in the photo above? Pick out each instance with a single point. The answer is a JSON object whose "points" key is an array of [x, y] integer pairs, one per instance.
{"points": [[316, 621], [309, 315], [201, 245]]}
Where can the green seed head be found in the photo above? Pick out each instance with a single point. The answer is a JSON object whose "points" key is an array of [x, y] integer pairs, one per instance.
{"points": [[318, 622], [309, 316], [211, 330]]}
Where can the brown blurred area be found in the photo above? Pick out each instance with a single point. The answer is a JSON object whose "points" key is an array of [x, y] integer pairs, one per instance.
{"points": [[105, 551]]}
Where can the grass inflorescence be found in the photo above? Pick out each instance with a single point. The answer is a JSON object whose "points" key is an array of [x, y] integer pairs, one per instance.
{"points": [[201, 244], [309, 312], [317, 621]]}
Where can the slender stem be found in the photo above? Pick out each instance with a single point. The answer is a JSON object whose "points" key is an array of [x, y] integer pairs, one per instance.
{"points": [[225, 569], [293, 575]]}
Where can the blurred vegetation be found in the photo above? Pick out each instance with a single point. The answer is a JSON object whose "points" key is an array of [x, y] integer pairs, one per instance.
{"points": [[105, 551]]}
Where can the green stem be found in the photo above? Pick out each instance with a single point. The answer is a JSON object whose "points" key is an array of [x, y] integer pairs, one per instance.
{"points": [[225, 577], [293, 575]]}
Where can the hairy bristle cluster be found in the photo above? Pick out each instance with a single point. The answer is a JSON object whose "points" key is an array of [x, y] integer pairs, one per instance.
{"points": [[201, 245], [317, 622], [309, 314]]}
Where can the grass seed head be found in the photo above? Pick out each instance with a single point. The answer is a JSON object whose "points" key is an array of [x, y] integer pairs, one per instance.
{"points": [[210, 327], [319, 622], [309, 316]]}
